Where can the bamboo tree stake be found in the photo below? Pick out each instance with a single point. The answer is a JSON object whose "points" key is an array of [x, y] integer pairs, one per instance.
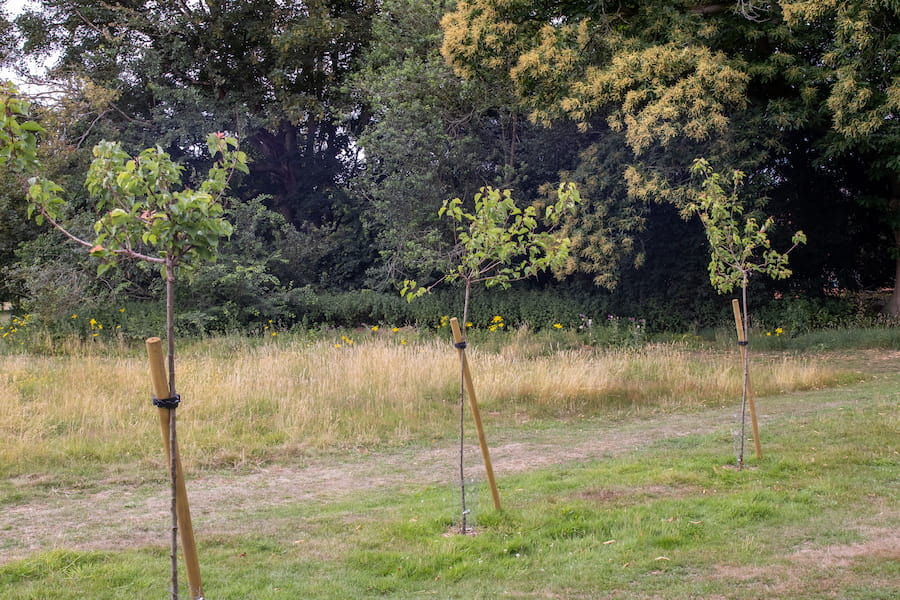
{"points": [[742, 340], [161, 390], [476, 414]]}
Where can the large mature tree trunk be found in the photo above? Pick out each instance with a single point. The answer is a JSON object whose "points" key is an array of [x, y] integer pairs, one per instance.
{"points": [[893, 305]]}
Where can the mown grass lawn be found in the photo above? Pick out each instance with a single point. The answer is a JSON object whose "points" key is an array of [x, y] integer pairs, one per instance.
{"points": [[817, 517]]}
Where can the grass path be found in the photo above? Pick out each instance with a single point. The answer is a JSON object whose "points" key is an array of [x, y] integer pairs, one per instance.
{"points": [[117, 514]]}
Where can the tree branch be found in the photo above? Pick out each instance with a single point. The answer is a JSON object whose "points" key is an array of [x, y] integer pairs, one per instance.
{"points": [[709, 9], [103, 33], [88, 131], [63, 230], [122, 251]]}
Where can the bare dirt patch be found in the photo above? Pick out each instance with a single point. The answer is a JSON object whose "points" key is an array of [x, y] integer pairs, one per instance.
{"points": [[823, 568], [879, 543]]}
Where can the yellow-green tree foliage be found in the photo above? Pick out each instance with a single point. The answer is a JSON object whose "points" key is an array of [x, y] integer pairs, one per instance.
{"points": [[645, 65], [857, 72], [642, 80], [677, 79]]}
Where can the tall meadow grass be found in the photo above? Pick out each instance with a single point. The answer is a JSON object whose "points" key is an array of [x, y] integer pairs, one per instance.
{"points": [[244, 403]]}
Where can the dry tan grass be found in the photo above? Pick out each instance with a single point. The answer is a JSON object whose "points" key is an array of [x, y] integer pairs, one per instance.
{"points": [[257, 403], [659, 376]]}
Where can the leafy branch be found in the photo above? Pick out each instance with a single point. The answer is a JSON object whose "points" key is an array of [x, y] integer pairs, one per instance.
{"points": [[500, 243], [733, 239]]}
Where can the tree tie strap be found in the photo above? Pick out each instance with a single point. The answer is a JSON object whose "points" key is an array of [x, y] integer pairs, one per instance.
{"points": [[167, 402], [460, 345], [745, 343]]}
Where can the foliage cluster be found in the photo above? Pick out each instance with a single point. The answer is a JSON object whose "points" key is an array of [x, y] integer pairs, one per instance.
{"points": [[360, 119], [739, 245]]}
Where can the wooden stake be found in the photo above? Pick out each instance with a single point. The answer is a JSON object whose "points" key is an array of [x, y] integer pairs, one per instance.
{"points": [[476, 414], [742, 339], [161, 390]]}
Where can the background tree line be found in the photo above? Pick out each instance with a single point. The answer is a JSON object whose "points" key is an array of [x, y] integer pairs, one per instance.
{"points": [[361, 117]]}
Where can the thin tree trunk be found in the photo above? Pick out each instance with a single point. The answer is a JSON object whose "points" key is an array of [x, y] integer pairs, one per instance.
{"points": [[174, 492], [173, 471], [465, 318], [170, 322], [746, 387], [893, 305], [462, 408]]}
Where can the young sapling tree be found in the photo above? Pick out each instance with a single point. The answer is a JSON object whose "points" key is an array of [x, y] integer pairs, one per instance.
{"points": [[739, 247], [147, 212], [496, 245]]}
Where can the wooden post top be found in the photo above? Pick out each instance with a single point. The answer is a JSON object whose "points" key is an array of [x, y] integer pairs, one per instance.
{"points": [[157, 368], [738, 322], [457, 332]]}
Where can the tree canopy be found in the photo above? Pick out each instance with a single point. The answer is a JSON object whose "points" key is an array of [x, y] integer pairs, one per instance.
{"points": [[361, 118], [736, 82], [271, 72]]}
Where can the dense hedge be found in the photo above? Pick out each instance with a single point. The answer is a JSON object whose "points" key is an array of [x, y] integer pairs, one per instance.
{"points": [[569, 306]]}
